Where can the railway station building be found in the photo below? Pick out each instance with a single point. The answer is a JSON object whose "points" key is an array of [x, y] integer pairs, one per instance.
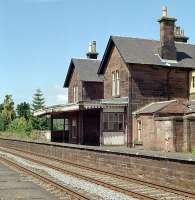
{"points": [[140, 94]]}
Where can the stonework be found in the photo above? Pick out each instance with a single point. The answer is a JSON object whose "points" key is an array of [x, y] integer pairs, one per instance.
{"points": [[75, 81], [115, 62]]}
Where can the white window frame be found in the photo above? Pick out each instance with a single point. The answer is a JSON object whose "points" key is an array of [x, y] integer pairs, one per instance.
{"points": [[75, 94], [113, 83], [139, 130], [117, 83]]}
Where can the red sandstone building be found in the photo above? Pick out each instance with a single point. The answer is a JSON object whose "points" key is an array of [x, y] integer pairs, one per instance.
{"points": [[140, 94]]}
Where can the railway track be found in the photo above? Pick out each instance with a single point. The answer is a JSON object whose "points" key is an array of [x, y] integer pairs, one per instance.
{"points": [[127, 186], [46, 181]]}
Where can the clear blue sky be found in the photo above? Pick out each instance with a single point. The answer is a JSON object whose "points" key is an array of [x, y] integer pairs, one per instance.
{"points": [[39, 37]]}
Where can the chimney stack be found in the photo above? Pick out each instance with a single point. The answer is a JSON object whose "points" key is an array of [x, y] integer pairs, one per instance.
{"points": [[179, 35], [92, 54], [167, 41]]}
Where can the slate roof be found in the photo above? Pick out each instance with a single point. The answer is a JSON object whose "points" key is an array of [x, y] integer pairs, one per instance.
{"points": [[143, 51], [162, 107], [86, 68]]}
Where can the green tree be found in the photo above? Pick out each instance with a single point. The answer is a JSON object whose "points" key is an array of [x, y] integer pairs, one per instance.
{"points": [[23, 110], [8, 112], [20, 126], [38, 100], [2, 123], [1, 108]]}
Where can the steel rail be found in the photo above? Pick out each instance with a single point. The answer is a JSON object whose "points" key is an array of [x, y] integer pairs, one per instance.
{"points": [[44, 179], [141, 182], [99, 182]]}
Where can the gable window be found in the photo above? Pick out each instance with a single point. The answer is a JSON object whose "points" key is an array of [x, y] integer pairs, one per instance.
{"points": [[113, 122], [193, 81], [115, 83], [75, 94]]}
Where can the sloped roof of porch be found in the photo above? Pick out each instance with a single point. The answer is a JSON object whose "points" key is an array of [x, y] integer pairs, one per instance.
{"points": [[163, 107], [83, 105]]}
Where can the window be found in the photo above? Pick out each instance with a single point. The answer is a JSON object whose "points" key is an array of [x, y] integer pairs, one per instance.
{"points": [[115, 83], [113, 122], [75, 94], [66, 125], [58, 124], [139, 129], [193, 81]]}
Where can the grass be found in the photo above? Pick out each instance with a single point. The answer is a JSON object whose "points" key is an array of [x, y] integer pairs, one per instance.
{"points": [[193, 151], [20, 135]]}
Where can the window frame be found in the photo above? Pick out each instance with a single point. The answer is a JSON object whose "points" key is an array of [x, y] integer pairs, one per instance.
{"points": [[113, 83], [112, 122], [75, 94], [117, 83]]}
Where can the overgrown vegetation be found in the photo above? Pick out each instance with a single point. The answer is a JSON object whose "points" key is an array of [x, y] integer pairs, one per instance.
{"points": [[19, 121]]}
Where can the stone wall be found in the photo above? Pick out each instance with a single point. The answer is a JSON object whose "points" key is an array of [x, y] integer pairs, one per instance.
{"points": [[161, 133], [167, 171], [75, 81], [115, 62], [151, 84], [93, 90]]}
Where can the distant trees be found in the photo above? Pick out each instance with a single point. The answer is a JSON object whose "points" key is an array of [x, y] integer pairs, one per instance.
{"points": [[7, 112], [20, 120], [38, 101], [24, 110]]}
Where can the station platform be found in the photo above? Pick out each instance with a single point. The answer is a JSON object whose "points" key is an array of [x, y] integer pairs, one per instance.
{"points": [[15, 187]]}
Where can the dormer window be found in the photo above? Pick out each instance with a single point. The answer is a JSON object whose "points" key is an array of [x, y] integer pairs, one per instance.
{"points": [[115, 83], [75, 94]]}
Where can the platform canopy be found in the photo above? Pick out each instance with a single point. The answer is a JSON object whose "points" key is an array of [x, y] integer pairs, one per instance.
{"points": [[83, 105]]}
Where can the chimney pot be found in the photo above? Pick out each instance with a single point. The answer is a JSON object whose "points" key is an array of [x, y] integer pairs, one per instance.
{"points": [[90, 47], [92, 54], [164, 11]]}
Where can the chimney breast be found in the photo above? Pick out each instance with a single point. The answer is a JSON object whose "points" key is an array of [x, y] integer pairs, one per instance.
{"points": [[167, 42], [92, 54]]}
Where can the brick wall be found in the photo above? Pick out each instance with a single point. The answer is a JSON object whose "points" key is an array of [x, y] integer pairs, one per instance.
{"points": [[176, 173], [74, 81], [151, 84], [115, 62], [159, 134], [93, 90]]}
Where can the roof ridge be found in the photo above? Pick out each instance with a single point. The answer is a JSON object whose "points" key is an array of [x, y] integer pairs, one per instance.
{"points": [[90, 59], [136, 38]]}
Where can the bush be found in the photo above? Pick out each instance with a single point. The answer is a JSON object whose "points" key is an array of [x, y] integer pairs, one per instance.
{"points": [[193, 151], [2, 123], [21, 126]]}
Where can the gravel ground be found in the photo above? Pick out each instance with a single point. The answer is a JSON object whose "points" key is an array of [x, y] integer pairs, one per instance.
{"points": [[73, 182]]}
